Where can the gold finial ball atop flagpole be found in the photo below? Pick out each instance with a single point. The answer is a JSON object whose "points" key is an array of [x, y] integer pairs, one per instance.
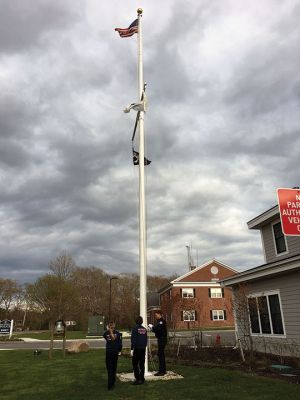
{"points": [[140, 11]]}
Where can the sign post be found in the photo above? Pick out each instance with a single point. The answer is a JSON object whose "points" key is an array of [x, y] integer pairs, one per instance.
{"points": [[289, 207], [11, 328]]}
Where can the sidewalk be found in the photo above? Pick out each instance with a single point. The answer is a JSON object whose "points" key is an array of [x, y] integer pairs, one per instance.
{"points": [[87, 339]]}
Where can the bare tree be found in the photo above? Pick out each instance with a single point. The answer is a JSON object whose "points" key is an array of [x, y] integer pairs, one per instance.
{"points": [[92, 285], [9, 290], [62, 266], [155, 283], [125, 299], [55, 296], [240, 304], [179, 303]]}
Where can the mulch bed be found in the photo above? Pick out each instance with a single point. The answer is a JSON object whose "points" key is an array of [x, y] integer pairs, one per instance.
{"points": [[230, 358]]}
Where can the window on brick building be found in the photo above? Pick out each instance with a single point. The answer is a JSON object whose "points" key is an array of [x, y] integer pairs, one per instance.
{"points": [[216, 292], [189, 315], [217, 315], [188, 292]]}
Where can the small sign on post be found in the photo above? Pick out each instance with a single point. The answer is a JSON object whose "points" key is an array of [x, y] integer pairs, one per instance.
{"points": [[289, 207], [70, 323], [6, 327]]}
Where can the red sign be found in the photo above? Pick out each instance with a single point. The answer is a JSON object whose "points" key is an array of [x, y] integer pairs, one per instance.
{"points": [[289, 207]]}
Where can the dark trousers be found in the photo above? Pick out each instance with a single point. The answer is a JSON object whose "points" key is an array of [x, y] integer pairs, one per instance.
{"points": [[138, 363], [161, 343], [111, 361]]}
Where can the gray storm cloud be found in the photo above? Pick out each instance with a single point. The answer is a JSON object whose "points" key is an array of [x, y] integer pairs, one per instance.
{"points": [[222, 130]]}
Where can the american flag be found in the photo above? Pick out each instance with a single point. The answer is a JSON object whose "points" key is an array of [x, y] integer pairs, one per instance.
{"points": [[131, 30]]}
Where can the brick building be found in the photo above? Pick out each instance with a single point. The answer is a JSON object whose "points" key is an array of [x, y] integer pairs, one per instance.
{"points": [[196, 299]]}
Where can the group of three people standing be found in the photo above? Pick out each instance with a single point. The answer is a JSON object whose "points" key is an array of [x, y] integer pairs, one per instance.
{"points": [[138, 348]]}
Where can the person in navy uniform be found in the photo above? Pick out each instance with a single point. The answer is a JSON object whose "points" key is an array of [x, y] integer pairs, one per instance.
{"points": [[160, 330], [138, 350], [113, 350]]}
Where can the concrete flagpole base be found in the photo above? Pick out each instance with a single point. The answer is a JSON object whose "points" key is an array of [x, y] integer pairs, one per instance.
{"points": [[129, 377]]}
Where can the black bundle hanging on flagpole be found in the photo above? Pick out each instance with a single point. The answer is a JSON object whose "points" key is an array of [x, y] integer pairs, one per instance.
{"points": [[136, 158]]}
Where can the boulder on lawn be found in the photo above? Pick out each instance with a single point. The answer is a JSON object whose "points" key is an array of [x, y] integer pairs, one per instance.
{"points": [[78, 347]]}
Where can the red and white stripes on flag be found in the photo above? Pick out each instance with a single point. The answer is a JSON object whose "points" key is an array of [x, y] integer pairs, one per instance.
{"points": [[130, 31]]}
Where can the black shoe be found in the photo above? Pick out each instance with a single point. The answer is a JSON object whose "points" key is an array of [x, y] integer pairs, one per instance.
{"points": [[110, 387], [160, 374], [136, 383]]}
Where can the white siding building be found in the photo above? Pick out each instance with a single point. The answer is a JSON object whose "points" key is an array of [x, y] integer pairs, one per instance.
{"points": [[270, 293]]}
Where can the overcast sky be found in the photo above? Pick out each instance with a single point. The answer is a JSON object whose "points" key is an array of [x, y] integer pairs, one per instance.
{"points": [[222, 130]]}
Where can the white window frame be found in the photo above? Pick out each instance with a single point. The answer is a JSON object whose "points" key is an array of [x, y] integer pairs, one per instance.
{"points": [[218, 314], [274, 240], [216, 293], [189, 292], [266, 294], [189, 315]]}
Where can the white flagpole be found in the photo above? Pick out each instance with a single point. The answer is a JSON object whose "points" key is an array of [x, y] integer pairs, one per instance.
{"points": [[142, 208]]}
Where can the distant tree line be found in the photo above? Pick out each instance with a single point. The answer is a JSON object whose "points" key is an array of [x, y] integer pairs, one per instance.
{"points": [[71, 292]]}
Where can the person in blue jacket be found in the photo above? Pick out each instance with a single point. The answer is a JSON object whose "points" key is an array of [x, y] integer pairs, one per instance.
{"points": [[113, 350], [138, 350], [161, 333]]}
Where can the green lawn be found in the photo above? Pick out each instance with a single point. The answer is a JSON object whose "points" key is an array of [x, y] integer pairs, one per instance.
{"points": [[45, 335], [83, 377]]}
